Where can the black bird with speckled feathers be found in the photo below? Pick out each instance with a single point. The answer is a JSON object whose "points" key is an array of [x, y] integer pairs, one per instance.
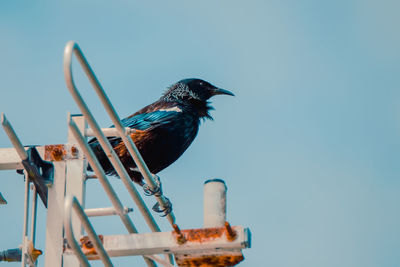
{"points": [[164, 129]]}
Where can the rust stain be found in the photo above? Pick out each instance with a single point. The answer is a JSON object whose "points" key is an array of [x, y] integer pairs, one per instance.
{"points": [[202, 235], [74, 152], [209, 260], [54, 152], [87, 245], [60, 152]]}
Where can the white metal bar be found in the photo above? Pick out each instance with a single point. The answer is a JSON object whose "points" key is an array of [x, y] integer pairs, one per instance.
{"points": [[13, 137], [75, 169], [33, 215], [202, 240], [72, 203], [109, 131], [9, 159], [122, 173], [54, 221], [26, 218], [105, 211], [94, 162]]}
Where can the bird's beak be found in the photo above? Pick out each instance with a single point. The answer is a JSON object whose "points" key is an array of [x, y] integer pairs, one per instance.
{"points": [[220, 91]]}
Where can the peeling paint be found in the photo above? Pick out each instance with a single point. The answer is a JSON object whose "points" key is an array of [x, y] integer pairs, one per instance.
{"points": [[60, 152], [87, 245]]}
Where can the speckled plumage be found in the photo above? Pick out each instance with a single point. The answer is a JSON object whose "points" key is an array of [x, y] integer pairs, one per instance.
{"points": [[165, 129]]}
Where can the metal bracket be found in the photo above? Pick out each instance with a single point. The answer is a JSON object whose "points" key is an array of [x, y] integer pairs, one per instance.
{"points": [[40, 172]]}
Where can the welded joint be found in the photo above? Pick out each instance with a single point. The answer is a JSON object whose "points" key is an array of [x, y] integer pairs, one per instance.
{"points": [[180, 238]]}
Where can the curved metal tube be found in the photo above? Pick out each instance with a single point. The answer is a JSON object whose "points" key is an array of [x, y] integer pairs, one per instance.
{"points": [[134, 152], [105, 144], [72, 203]]}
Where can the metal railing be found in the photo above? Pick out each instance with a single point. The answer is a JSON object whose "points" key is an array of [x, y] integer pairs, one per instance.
{"points": [[70, 49]]}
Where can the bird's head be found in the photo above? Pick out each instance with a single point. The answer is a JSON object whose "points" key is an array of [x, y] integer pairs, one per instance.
{"points": [[194, 92]]}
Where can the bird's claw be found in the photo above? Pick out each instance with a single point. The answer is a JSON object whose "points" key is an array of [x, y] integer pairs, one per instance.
{"points": [[164, 209], [157, 191]]}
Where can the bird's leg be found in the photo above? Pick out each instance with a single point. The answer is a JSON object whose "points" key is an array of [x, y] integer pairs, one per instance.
{"points": [[165, 209], [157, 191]]}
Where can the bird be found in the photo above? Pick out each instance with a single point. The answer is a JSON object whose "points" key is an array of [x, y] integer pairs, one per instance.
{"points": [[163, 129]]}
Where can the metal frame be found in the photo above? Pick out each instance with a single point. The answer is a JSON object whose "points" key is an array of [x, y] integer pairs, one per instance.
{"points": [[165, 242], [66, 196]]}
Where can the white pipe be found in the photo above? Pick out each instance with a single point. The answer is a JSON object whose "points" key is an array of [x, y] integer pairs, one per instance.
{"points": [[214, 203], [13, 137], [25, 227], [105, 211], [33, 215]]}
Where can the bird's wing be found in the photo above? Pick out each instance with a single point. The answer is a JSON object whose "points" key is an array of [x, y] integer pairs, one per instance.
{"points": [[148, 118], [148, 121]]}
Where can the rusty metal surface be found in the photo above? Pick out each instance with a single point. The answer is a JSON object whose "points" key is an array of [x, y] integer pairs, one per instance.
{"points": [[60, 152], [207, 234], [87, 245], [230, 233], [216, 260], [202, 247], [179, 236]]}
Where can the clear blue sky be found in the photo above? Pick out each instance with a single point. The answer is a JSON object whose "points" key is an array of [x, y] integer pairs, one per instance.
{"points": [[309, 147]]}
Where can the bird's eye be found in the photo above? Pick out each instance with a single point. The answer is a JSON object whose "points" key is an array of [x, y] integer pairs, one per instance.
{"points": [[201, 83]]}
